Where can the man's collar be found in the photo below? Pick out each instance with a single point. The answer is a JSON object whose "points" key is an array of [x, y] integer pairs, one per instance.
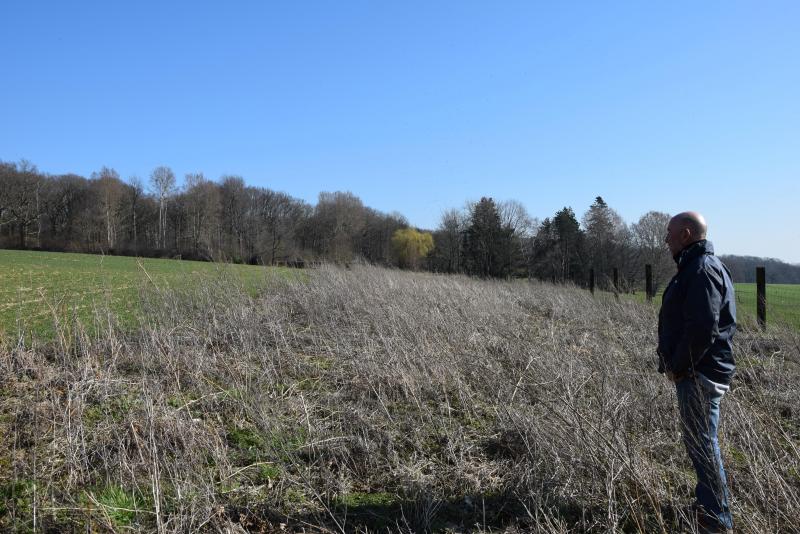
{"points": [[693, 250]]}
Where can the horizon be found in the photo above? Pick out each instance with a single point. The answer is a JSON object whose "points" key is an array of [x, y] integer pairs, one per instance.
{"points": [[419, 108]]}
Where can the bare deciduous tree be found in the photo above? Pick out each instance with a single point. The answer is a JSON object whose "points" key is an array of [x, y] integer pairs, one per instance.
{"points": [[20, 202], [162, 183], [648, 235], [111, 192]]}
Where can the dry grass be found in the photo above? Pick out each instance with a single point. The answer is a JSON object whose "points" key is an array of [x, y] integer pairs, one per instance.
{"points": [[368, 400]]}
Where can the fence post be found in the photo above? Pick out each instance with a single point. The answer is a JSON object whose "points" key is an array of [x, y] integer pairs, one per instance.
{"points": [[648, 277], [761, 296], [591, 281]]}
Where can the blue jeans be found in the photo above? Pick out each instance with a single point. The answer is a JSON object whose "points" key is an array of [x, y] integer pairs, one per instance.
{"points": [[699, 408]]}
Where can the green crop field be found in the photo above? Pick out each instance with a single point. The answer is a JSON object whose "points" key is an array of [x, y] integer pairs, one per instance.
{"points": [[783, 303], [38, 288]]}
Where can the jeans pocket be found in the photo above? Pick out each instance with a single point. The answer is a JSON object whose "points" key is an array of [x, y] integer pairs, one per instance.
{"points": [[712, 391]]}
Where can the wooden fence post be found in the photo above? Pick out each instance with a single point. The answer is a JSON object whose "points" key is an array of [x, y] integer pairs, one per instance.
{"points": [[591, 281], [761, 296], [648, 277]]}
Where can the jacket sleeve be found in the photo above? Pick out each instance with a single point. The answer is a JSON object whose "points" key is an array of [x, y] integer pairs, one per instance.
{"points": [[700, 320]]}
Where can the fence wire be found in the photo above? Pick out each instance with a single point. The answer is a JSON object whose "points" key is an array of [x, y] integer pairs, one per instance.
{"points": [[783, 303]]}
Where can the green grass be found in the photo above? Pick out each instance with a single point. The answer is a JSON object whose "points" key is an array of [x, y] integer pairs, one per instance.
{"points": [[783, 303], [120, 506], [36, 288], [356, 499]]}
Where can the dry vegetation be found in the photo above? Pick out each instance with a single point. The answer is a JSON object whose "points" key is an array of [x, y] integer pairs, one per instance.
{"points": [[371, 399]]}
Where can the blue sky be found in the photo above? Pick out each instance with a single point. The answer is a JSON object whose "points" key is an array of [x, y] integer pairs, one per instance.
{"points": [[418, 107]]}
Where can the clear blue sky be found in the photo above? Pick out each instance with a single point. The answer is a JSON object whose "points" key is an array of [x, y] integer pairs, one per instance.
{"points": [[421, 106]]}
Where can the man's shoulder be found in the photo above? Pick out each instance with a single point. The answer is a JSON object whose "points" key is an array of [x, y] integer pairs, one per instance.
{"points": [[714, 266], [704, 267], [694, 267]]}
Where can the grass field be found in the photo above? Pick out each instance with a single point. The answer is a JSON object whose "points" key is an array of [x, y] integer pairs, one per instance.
{"points": [[783, 303], [36, 288]]}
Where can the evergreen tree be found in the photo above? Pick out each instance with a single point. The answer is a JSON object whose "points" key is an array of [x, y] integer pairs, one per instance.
{"points": [[544, 264], [605, 239], [486, 241], [569, 245]]}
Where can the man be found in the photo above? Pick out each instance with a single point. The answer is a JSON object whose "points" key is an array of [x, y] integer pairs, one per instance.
{"points": [[695, 330]]}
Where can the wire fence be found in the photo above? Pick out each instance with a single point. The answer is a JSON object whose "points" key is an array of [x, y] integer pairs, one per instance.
{"points": [[782, 303]]}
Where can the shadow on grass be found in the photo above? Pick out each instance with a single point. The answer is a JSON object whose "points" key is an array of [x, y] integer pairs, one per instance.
{"points": [[364, 514], [470, 513]]}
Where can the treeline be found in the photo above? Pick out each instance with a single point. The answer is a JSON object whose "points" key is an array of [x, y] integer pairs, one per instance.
{"points": [[502, 239], [743, 269], [227, 220], [205, 220]]}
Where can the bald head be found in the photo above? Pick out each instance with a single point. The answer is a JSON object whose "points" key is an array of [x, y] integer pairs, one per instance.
{"points": [[694, 222], [684, 229]]}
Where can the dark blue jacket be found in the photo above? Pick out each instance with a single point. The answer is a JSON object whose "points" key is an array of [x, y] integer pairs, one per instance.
{"points": [[698, 317]]}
